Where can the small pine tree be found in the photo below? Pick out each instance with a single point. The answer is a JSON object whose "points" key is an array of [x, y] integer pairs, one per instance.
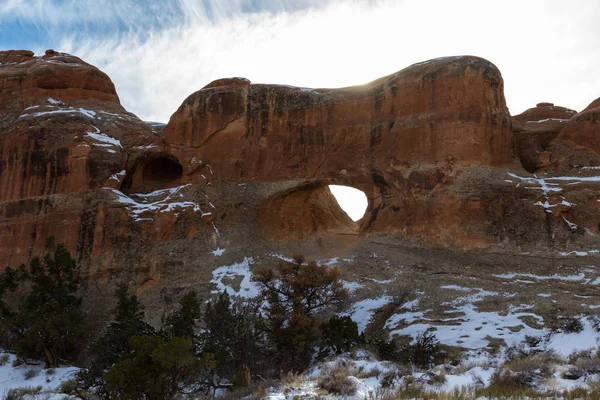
{"points": [[423, 353], [295, 292], [341, 334], [236, 336], [388, 350], [183, 322], [426, 350], [49, 323], [113, 346]]}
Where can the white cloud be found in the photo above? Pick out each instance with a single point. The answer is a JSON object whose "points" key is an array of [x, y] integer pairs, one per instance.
{"points": [[545, 49]]}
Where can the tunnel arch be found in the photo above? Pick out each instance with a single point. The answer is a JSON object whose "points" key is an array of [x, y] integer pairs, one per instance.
{"points": [[306, 210]]}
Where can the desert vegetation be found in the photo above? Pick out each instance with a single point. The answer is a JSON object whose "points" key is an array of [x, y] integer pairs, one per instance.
{"points": [[292, 339]]}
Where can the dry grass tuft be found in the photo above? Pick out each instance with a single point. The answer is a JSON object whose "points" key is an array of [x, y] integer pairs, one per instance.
{"points": [[583, 366], [291, 381], [4, 359], [530, 370], [337, 380], [23, 393]]}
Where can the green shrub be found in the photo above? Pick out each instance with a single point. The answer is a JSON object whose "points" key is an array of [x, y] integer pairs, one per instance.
{"points": [[423, 353], [340, 334], [158, 370], [236, 335], [49, 323], [387, 350]]}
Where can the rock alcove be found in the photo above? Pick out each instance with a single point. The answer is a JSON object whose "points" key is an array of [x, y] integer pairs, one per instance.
{"points": [[159, 172]]}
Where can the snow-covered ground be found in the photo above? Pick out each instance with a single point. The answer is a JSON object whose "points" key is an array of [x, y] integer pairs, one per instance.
{"points": [[466, 322], [372, 378], [33, 375]]}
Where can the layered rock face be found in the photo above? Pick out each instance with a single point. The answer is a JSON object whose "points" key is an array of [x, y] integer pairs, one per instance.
{"points": [[582, 129], [450, 110], [246, 167], [430, 146], [397, 139], [63, 133]]}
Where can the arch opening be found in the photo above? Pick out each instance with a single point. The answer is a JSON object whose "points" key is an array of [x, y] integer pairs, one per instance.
{"points": [[311, 210], [352, 201]]}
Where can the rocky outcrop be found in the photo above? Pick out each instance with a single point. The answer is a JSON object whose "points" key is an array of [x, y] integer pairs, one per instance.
{"points": [[396, 139], [534, 129], [63, 135], [245, 168], [578, 144], [63, 128], [450, 110]]}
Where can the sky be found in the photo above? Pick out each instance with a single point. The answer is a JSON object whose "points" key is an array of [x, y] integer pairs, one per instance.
{"points": [[157, 52]]}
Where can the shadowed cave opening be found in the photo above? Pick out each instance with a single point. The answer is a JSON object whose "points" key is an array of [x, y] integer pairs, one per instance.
{"points": [[162, 170]]}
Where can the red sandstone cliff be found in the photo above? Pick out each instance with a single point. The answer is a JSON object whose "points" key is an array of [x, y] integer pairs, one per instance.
{"points": [[248, 165]]}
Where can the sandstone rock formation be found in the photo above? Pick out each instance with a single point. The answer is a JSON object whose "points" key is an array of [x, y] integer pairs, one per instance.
{"points": [[533, 131], [578, 144], [395, 139], [584, 128], [246, 168], [63, 134]]}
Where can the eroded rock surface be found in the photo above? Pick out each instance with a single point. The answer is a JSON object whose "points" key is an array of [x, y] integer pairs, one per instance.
{"points": [[241, 172], [533, 131], [578, 144], [431, 147], [65, 140]]}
